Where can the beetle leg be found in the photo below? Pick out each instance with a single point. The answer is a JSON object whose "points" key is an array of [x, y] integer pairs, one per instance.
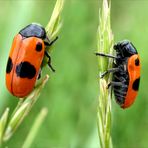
{"points": [[121, 79], [109, 71], [49, 61], [39, 75], [48, 42], [120, 84], [120, 91], [119, 96]]}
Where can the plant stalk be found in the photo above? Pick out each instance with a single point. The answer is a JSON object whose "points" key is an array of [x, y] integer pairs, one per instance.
{"points": [[105, 45]]}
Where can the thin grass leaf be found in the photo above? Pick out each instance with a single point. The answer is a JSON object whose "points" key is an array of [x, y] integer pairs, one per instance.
{"points": [[55, 24], [33, 132], [3, 122], [14, 122]]}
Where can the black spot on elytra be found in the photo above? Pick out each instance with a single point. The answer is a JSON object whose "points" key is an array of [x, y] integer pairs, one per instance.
{"points": [[136, 84], [39, 46], [25, 70], [9, 65], [137, 62]]}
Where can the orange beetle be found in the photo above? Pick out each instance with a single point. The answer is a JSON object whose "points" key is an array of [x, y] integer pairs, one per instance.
{"points": [[126, 73], [25, 59]]}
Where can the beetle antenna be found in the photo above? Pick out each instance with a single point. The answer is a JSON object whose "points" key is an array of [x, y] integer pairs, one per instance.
{"points": [[105, 55]]}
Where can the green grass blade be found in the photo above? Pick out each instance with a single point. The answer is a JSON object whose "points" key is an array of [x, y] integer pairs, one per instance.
{"points": [[3, 122], [33, 132]]}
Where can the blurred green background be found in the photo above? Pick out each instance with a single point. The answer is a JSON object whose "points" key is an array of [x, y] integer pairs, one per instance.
{"points": [[71, 93]]}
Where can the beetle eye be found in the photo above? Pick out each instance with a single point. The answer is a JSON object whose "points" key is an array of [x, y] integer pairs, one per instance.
{"points": [[137, 62], [38, 46]]}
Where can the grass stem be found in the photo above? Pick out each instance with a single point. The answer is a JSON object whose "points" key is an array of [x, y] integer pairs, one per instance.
{"points": [[105, 45]]}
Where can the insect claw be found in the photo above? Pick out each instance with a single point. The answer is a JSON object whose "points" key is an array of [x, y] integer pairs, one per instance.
{"points": [[108, 85]]}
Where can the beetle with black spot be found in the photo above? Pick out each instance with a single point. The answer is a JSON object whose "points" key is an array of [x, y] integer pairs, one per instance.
{"points": [[126, 73], [25, 59]]}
